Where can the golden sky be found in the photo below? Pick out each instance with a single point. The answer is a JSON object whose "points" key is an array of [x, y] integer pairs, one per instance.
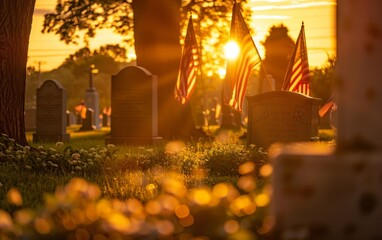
{"points": [[318, 17]]}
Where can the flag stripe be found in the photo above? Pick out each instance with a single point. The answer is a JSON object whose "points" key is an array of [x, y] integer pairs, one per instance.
{"points": [[186, 80], [238, 71], [325, 109]]}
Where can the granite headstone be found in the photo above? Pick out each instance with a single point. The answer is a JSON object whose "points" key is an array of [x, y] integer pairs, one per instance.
{"points": [[51, 113], [134, 103], [281, 116]]}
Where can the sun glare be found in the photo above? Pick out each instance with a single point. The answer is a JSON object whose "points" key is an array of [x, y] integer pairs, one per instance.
{"points": [[231, 50]]}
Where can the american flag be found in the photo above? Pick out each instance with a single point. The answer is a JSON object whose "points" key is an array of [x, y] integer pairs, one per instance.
{"points": [[297, 77], [239, 69], [185, 83]]}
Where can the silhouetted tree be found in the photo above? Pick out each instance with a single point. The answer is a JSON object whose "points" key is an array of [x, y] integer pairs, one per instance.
{"points": [[322, 79], [15, 27], [74, 73], [156, 28], [278, 50]]}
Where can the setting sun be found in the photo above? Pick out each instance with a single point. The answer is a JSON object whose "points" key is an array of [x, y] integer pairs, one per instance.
{"points": [[231, 50]]}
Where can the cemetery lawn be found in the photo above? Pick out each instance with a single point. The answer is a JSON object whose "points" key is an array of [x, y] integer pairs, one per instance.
{"points": [[34, 177]]}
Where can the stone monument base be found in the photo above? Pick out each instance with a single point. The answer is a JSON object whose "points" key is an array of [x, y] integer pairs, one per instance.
{"points": [[322, 195], [133, 140], [51, 137]]}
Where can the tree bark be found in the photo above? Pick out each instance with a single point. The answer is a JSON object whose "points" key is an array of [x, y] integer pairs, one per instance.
{"points": [[156, 33], [15, 27]]}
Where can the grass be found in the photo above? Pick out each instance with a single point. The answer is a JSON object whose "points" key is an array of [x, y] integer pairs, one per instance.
{"points": [[218, 185]]}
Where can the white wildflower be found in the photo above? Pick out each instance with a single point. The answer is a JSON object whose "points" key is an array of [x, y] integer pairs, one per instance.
{"points": [[83, 151], [76, 156]]}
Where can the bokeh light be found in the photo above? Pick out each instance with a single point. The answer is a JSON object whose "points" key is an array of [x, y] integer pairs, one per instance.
{"points": [[182, 211], [14, 197], [246, 168], [266, 170], [231, 226], [262, 200]]}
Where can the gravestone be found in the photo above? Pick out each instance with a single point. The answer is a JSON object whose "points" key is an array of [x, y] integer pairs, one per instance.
{"points": [[30, 119], [51, 113], [134, 116], [91, 101], [105, 120], [281, 116], [319, 194], [78, 118], [70, 118], [87, 123]]}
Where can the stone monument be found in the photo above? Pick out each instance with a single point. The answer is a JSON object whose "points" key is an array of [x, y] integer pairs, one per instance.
{"points": [[134, 116], [51, 113], [92, 98], [281, 116]]}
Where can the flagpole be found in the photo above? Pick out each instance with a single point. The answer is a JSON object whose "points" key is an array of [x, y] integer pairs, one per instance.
{"points": [[203, 83], [202, 78]]}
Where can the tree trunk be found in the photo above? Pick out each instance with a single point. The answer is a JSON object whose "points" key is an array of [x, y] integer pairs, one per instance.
{"points": [[156, 33], [15, 27]]}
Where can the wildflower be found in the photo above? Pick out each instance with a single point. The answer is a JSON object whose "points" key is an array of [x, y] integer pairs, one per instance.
{"points": [[1, 184], [83, 151], [76, 156], [27, 148], [78, 168], [59, 144], [19, 152], [103, 150], [28, 167], [40, 148], [110, 146]]}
